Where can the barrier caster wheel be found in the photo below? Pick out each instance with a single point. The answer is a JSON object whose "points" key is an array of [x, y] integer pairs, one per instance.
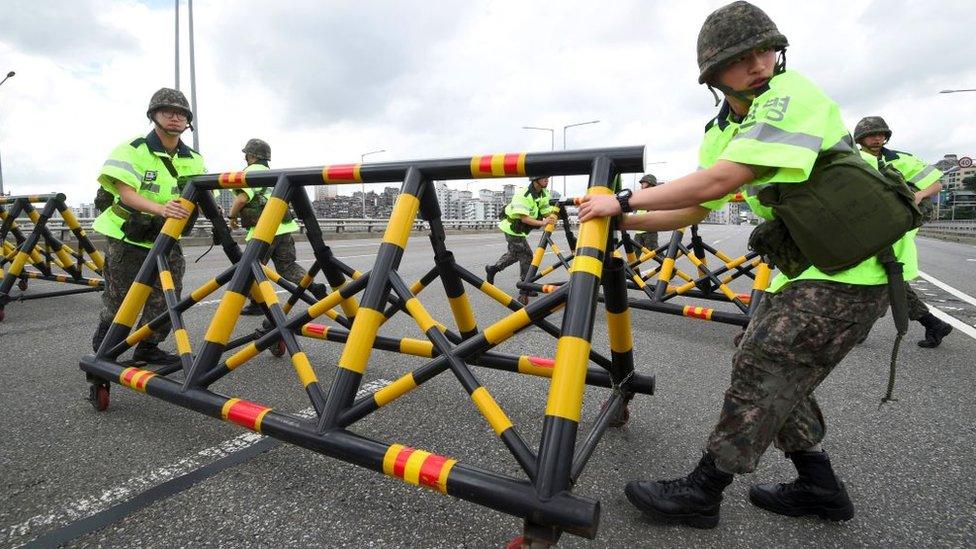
{"points": [[738, 338], [98, 396], [278, 349], [622, 416], [22, 284], [522, 543]]}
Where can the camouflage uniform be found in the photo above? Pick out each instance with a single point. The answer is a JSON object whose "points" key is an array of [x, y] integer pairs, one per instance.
{"points": [[793, 342], [916, 309], [122, 264], [518, 250], [282, 252]]}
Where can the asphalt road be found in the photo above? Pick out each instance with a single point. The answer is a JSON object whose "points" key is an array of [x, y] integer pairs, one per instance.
{"points": [[909, 466]]}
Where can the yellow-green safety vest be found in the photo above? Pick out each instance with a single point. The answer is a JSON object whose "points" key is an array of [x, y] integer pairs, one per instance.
{"points": [[788, 126], [142, 163], [523, 203], [284, 228]]}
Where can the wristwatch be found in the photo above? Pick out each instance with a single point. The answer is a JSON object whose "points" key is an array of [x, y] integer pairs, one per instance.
{"points": [[623, 197]]}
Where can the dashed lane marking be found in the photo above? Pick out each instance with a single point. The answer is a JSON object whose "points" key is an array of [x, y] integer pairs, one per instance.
{"points": [[85, 515], [961, 295]]}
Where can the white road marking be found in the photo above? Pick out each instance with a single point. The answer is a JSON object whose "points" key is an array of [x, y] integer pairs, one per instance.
{"points": [[955, 322], [90, 505], [971, 259], [963, 296]]}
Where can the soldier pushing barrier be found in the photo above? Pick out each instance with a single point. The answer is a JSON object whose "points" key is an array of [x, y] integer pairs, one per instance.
{"points": [[247, 207], [139, 188], [778, 135], [872, 134], [528, 209]]}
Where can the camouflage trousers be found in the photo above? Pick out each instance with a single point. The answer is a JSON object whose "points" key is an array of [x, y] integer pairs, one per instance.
{"points": [[794, 340], [122, 264], [646, 239], [916, 309], [282, 251], [518, 251]]}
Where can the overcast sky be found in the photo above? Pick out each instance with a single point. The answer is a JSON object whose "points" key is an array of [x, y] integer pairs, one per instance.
{"points": [[324, 82]]}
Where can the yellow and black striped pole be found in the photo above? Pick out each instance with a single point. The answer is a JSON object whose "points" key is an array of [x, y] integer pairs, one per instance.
{"points": [[569, 372]]}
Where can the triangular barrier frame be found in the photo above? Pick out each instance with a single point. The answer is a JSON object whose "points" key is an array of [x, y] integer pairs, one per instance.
{"points": [[42, 256], [666, 282], [544, 498]]}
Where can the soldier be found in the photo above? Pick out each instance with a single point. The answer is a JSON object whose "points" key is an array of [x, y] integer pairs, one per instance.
{"points": [[871, 134], [772, 128], [647, 239], [138, 190], [528, 209], [247, 207]]}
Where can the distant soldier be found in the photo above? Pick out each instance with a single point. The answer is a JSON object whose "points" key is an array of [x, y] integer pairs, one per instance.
{"points": [[247, 207], [138, 191], [647, 239], [528, 210], [872, 133]]}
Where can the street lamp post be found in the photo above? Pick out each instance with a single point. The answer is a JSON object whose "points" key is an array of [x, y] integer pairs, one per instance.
{"points": [[9, 75], [958, 91], [362, 157], [552, 134], [566, 127]]}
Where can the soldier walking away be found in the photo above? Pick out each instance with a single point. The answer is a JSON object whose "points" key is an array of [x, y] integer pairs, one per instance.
{"points": [[247, 207], [528, 209], [872, 134], [773, 127], [646, 239], [138, 190]]}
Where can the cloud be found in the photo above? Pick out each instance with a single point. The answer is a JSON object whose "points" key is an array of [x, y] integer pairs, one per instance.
{"points": [[325, 82]]}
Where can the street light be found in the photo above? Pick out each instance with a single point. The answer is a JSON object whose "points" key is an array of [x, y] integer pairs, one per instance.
{"points": [[9, 75], [566, 127], [361, 159], [958, 91], [552, 134]]}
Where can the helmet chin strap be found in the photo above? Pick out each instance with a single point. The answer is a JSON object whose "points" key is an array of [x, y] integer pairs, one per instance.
{"points": [[750, 93], [174, 133]]}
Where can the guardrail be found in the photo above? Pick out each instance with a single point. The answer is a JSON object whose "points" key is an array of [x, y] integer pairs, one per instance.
{"points": [[962, 230], [329, 225]]}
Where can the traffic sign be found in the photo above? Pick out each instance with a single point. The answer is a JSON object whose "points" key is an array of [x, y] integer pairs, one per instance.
{"points": [[965, 162]]}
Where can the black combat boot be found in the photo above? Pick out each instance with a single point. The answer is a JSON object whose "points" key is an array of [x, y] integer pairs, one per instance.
{"points": [[99, 335], [252, 309], [935, 330], [816, 491], [151, 354], [491, 271], [318, 290], [694, 500]]}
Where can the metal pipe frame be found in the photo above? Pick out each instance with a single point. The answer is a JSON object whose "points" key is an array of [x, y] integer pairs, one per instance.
{"points": [[544, 501], [711, 284], [29, 250]]}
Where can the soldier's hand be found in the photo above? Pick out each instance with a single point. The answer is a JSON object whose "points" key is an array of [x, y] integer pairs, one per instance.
{"points": [[598, 205], [233, 223], [174, 209], [551, 220]]}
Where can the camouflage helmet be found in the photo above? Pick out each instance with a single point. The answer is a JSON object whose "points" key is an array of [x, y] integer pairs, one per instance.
{"points": [[869, 125], [731, 31], [649, 179], [168, 98], [258, 148]]}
